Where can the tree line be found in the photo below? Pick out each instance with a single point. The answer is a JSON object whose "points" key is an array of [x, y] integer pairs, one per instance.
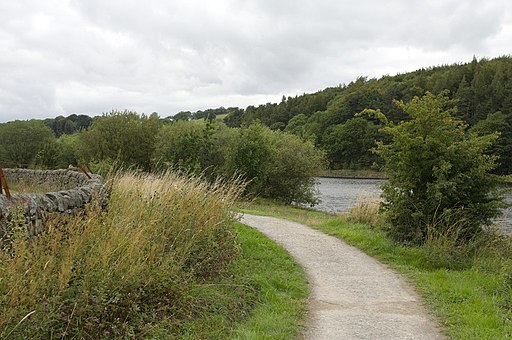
{"points": [[273, 163]]}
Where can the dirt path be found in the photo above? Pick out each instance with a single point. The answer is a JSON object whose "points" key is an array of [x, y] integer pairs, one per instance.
{"points": [[352, 295]]}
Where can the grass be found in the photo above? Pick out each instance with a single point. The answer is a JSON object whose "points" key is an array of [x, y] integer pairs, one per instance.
{"points": [[365, 173], [165, 261], [266, 207], [262, 297], [16, 187], [282, 289], [471, 295]]}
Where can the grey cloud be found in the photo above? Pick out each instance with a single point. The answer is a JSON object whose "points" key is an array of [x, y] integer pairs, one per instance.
{"points": [[89, 56]]}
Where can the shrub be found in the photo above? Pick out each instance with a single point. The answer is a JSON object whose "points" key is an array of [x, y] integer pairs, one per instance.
{"points": [[122, 137], [193, 147], [251, 156], [276, 164], [293, 165], [21, 141], [438, 174], [113, 274]]}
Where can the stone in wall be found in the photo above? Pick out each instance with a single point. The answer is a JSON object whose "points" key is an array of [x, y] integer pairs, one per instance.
{"points": [[73, 190]]}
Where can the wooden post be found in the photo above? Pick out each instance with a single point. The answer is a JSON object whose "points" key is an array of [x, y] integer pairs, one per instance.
{"points": [[4, 185], [87, 167], [81, 167]]}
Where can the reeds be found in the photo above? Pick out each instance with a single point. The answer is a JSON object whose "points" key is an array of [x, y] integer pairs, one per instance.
{"points": [[113, 273], [365, 210]]}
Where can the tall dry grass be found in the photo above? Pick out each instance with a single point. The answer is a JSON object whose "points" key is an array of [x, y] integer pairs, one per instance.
{"points": [[366, 211], [108, 274]]}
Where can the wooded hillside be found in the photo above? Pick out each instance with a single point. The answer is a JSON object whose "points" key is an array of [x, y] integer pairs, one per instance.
{"points": [[481, 90]]}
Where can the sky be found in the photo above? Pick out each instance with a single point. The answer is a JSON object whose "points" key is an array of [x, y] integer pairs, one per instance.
{"points": [[59, 57]]}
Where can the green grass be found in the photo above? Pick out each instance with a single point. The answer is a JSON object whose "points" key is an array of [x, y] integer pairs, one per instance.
{"points": [[263, 296], [266, 207], [471, 297], [280, 301]]}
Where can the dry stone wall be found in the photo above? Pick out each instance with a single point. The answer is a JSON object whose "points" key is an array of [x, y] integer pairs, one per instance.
{"points": [[72, 191]]}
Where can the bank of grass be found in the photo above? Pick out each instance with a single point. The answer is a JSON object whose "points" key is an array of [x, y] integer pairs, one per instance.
{"points": [[348, 173], [167, 260], [469, 289]]}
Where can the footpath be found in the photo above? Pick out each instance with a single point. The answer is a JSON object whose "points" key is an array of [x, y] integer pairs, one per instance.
{"points": [[353, 296]]}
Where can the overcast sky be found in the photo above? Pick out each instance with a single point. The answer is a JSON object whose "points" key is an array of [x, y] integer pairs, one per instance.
{"points": [[59, 57]]}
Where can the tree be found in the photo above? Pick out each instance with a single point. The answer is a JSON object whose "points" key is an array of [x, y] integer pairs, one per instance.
{"points": [[438, 174], [21, 141], [298, 126], [182, 115], [350, 145], [276, 165], [193, 147], [250, 156], [68, 147], [123, 137], [293, 165], [501, 123]]}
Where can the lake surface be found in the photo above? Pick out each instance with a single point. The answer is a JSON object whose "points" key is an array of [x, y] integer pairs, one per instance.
{"points": [[340, 194]]}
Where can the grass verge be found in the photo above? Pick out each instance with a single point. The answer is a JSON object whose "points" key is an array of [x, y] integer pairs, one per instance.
{"points": [[471, 297], [280, 296]]}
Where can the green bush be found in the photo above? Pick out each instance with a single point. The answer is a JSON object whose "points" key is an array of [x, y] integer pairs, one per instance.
{"points": [[250, 156], [438, 174], [274, 164], [193, 147], [21, 141], [293, 165], [277, 165], [123, 137]]}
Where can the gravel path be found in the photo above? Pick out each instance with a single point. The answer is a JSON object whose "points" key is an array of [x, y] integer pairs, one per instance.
{"points": [[352, 295]]}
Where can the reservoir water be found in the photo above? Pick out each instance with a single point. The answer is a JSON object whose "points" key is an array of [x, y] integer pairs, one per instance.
{"points": [[339, 194]]}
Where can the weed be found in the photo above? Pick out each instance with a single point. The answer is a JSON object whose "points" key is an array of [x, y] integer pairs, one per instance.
{"points": [[110, 274], [365, 210]]}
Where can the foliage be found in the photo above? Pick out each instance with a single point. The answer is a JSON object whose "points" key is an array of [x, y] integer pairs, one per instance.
{"points": [[68, 125], [292, 167], [251, 156], [438, 174], [118, 273], [48, 156], [349, 144], [192, 147], [275, 164], [68, 147], [124, 137], [21, 141], [480, 87], [501, 123]]}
